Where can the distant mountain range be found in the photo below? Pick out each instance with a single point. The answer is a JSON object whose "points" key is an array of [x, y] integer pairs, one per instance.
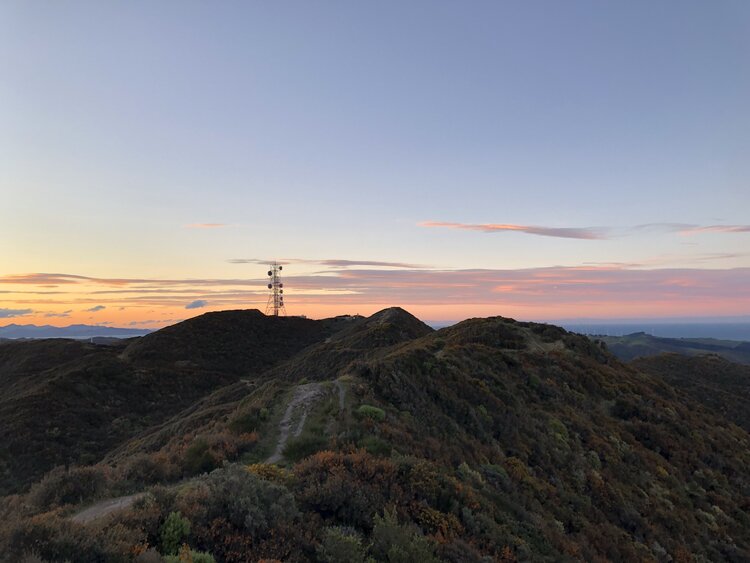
{"points": [[72, 331], [641, 345]]}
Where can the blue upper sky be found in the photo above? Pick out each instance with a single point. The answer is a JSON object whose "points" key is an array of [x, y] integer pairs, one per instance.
{"points": [[337, 130]]}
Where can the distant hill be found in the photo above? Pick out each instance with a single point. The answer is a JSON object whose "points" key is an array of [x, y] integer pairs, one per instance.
{"points": [[640, 344], [349, 439], [72, 331]]}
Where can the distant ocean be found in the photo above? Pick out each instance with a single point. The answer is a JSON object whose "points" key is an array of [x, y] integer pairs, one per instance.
{"points": [[721, 331]]}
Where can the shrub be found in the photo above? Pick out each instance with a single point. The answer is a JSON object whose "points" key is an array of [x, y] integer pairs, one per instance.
{"points": [[146, 469], [69, 486], [376, 446], [149, 556], [250, 421], [273, 473], [247, 502], [394, 543], [369, 411], [304, 446], [188, 555], [341, 545], [198, 459], [173, 531]]}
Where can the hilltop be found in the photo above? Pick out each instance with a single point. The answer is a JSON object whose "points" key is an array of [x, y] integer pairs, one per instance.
{"points": [[338, 440]]}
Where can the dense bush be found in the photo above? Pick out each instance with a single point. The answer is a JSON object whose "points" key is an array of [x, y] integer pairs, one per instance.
{"points": [[69, 486], [369, 411], [188, 555], [342, 545], [304, 446], [394, 543], [174, 530]]}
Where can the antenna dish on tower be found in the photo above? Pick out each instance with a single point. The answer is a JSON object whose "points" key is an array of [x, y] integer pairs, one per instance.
{"points": [[275, 303]]}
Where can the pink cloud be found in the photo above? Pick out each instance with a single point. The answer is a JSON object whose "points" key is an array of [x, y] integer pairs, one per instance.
{"points": [[696, 229], [206, 225]]}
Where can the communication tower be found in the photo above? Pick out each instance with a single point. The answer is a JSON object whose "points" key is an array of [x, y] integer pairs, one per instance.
{"points": [[275, 303]]}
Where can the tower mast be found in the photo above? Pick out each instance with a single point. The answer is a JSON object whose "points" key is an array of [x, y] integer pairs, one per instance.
{"points": [[275, 303]]}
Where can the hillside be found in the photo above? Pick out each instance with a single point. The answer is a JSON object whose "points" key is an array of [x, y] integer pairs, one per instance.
{"points": [[95, 397], [720, 385], [640, 344], [490, 440]]}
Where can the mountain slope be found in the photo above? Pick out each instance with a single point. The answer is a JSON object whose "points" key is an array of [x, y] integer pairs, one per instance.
{"points": [[95, 397], [491, 440], [720, 385]]}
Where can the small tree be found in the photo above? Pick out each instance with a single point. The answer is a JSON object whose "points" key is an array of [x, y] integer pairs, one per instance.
{"points": [[173, 531]]}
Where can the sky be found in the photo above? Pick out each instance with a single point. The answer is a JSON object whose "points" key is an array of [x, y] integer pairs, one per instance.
{"points": [[534, 159]]}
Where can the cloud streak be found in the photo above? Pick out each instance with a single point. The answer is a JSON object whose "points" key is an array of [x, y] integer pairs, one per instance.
{"points": [[330, 263], [586, 233], [206, 225], [11, 313], [197, 304], [96, 309]]}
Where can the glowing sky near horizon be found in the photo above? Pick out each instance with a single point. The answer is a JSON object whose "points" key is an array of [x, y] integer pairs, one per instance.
{"points": [[541, 160]]}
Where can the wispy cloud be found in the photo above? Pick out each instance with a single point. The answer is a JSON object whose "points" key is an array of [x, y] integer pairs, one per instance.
{"points": [[206, 225], [696, 229], [587, 233], [332, 263], [96, 309], [197, 304], [11, 313], [63, 314]]}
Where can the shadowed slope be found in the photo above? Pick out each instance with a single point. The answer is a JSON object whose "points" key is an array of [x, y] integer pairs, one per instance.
{"points": [[718, 384]]}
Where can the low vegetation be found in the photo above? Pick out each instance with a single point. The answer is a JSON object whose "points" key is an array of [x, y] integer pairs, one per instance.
{"points": [[488, 441]]}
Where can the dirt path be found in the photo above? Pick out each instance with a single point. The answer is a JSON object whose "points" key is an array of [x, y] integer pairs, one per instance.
{"points": [[342, 394], [295, 416], [103, 508]]}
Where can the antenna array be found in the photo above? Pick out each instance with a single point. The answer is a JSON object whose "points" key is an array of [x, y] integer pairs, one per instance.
{"points": [[275, 303]]}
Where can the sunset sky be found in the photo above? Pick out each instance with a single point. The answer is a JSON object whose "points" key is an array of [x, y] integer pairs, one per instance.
{"points": [[541, 160]]}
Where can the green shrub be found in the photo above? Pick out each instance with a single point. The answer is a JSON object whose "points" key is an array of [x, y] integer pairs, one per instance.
{"points": [[173, 531], [247, 502], [369, 411], [188, 555], [341, 544], [376, 446], [395, 543]]}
